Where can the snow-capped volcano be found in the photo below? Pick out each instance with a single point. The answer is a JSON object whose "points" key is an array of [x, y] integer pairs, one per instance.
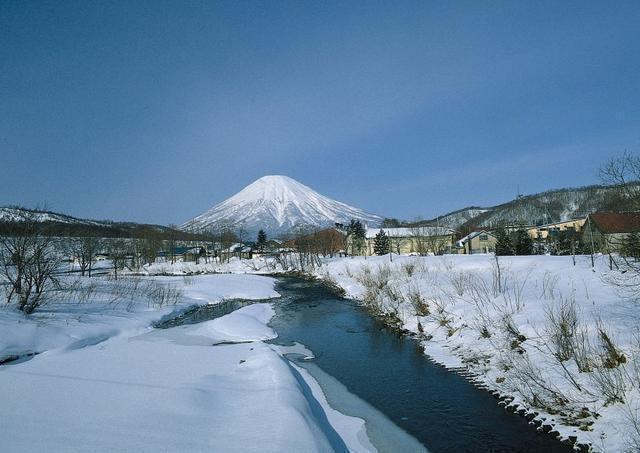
{"points": [[278, 204]]}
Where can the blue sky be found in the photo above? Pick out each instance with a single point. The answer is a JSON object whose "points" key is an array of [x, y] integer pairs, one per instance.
{"points": [[155, 111]]}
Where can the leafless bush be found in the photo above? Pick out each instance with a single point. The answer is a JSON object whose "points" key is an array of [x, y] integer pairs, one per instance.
{"points": [[609, 376], [561, 327], [549, 283], [418, 302], [409, 268], [511, 329], [633, 418], [378, 279], [535, 390], [583, 353], [460, 281], [440, 313], [161, 295], [610, 355], [82, 290], [393, 298], [498, 275], [610, 383], [29, 260], [513, 286], [480, 293]]}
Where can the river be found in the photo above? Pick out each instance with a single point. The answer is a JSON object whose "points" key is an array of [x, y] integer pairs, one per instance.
{"points": [[387, 370]]}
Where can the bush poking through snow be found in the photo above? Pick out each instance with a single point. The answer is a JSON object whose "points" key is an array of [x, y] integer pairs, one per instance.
{"points": [[418, 302], [562, 324], [409, 268]]}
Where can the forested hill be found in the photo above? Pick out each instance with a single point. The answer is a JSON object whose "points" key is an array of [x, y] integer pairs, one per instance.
{"points": [[13, 219]]}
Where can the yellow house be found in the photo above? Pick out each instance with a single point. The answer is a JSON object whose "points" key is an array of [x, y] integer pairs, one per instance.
{"points": [[424, 240], [542, 232], [477, 242]]}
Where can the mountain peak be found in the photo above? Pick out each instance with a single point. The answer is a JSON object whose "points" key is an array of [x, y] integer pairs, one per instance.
{"points": [[278, 204]]}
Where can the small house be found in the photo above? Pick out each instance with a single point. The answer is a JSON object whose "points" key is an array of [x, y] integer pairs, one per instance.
{"points": [[481, 241]]}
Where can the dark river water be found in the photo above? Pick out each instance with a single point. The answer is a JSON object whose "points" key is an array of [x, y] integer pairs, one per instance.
{"points": [[439, 408]]}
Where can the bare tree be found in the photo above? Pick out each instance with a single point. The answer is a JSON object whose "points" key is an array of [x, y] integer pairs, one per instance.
{"points": [[29, 260], [118, 253], [84, 250], [624, 173], [171, 243], [428, 239]]}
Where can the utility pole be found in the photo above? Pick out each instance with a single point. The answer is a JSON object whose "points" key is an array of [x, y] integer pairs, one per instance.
{"points": [[591, 234]]}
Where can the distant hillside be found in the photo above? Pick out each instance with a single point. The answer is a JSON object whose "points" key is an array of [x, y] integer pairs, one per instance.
{"points": [[453, 219], [536, 209], [65, 225]]}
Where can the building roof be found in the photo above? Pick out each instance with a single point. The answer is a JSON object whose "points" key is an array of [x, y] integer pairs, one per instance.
{"points": [[616, 222], [473, 234]]}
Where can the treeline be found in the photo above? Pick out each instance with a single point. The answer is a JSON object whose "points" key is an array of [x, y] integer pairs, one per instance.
{"points": [[115, 230]]}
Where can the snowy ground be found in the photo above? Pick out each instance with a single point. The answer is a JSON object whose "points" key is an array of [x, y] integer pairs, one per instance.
{"points": [[105, 381], [562, 340], [495, 320]]}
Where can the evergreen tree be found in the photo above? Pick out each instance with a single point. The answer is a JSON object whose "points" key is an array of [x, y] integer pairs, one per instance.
{"points": [[631, 246], [523, 244], [358, 236], [262, 240], [381, 243], [504, 245], [563, 243]]}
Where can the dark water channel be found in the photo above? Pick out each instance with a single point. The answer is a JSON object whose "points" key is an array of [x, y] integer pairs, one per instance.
{"points": [[439, 408]]}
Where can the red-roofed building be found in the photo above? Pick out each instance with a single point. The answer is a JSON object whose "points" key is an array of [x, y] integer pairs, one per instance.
{"points": [[609, 230]]}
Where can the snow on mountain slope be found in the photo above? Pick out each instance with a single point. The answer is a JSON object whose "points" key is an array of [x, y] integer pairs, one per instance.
{"points": [[278, 204], [10, 214]]}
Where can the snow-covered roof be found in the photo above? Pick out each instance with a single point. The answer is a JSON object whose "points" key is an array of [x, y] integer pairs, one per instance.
{"points": [[409, 232], [473, 234]]}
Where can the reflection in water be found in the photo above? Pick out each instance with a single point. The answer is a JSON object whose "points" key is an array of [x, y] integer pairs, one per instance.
{"points": [[388, 370]]}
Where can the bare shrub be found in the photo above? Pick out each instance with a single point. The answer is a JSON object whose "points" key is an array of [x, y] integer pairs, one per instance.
{"points": [[161, 295], [418, 302], [460, 281], [409, 268], [513, 333], [29, 260], [561, 327], [81, 290], [480, 293], [610, 355], [393, 298], [513, 286], [440, 313], [498, 276], [549, 283], [610, 383], [583, 353], [535, 390]]}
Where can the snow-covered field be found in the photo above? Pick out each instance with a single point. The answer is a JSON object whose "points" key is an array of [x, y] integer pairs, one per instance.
{"points": [[104, 380], [562, 340]]}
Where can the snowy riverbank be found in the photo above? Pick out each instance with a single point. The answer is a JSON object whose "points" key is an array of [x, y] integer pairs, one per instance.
{"points": [[104, 380], [560, 339]]}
